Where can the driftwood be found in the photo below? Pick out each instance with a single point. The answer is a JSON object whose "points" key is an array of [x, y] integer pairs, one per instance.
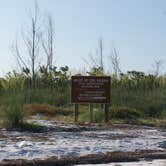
{"points": [[89, 159]]}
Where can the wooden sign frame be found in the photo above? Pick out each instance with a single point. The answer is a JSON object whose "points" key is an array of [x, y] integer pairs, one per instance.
{"points": [[90, 89]]}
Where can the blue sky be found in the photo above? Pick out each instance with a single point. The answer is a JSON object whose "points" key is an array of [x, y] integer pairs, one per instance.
{"points": [[137, 28]]}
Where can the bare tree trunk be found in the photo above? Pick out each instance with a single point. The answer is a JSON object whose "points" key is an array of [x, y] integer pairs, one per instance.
{"points": [[31, 38], [21, 64], [115, 63], [156, 67], [33, 52], [48, 41], [101, 54], [96, 62]]}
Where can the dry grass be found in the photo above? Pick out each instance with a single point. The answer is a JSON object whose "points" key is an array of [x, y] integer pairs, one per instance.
{"points": [[117, 115], [46, 109], [60, 118]]}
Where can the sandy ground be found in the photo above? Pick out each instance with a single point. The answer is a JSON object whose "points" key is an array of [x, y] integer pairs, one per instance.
{"points": [[62, 140], [141, 163]]}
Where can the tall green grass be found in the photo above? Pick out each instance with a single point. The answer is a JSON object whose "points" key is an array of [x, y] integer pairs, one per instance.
{"points": [[11, 110], [145, 94]]}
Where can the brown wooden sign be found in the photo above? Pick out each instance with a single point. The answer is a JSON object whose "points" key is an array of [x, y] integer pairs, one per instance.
{"points": [[90, 89]]}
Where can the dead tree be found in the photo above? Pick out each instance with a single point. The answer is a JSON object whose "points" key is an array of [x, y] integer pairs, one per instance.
{"points": [[156, 67], [115, 62], [19, 59], [96, 61], [48, 41], [101, 54], [31, 38]]}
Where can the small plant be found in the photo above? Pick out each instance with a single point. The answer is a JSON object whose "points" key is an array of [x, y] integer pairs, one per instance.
{"points": [[155, 111], [13, 115], [12, 111], [98, 116], [47, 109], [124, 113], [32, 127]]}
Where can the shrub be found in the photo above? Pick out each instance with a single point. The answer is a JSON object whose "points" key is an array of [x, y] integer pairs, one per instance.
{"points": [[155, 110], [13, 115], [32, 127], [12, 112], [98, 116], [46, 109], [124, 113]]}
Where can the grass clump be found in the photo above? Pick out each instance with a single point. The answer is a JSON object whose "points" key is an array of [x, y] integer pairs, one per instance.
{"points": [[13, 115], [120, 114], [31, 127], [155, 111], [11, 111], [98, 116], [124, 113], [46, 109]]}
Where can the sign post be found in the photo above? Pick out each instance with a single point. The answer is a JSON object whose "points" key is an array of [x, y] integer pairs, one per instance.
{"points": [[106, 112], [91, 112], [76, 112], [91, 89]]}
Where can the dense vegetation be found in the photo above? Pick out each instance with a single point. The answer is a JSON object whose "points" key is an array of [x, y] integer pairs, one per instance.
{"points": [[133, 94]]}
